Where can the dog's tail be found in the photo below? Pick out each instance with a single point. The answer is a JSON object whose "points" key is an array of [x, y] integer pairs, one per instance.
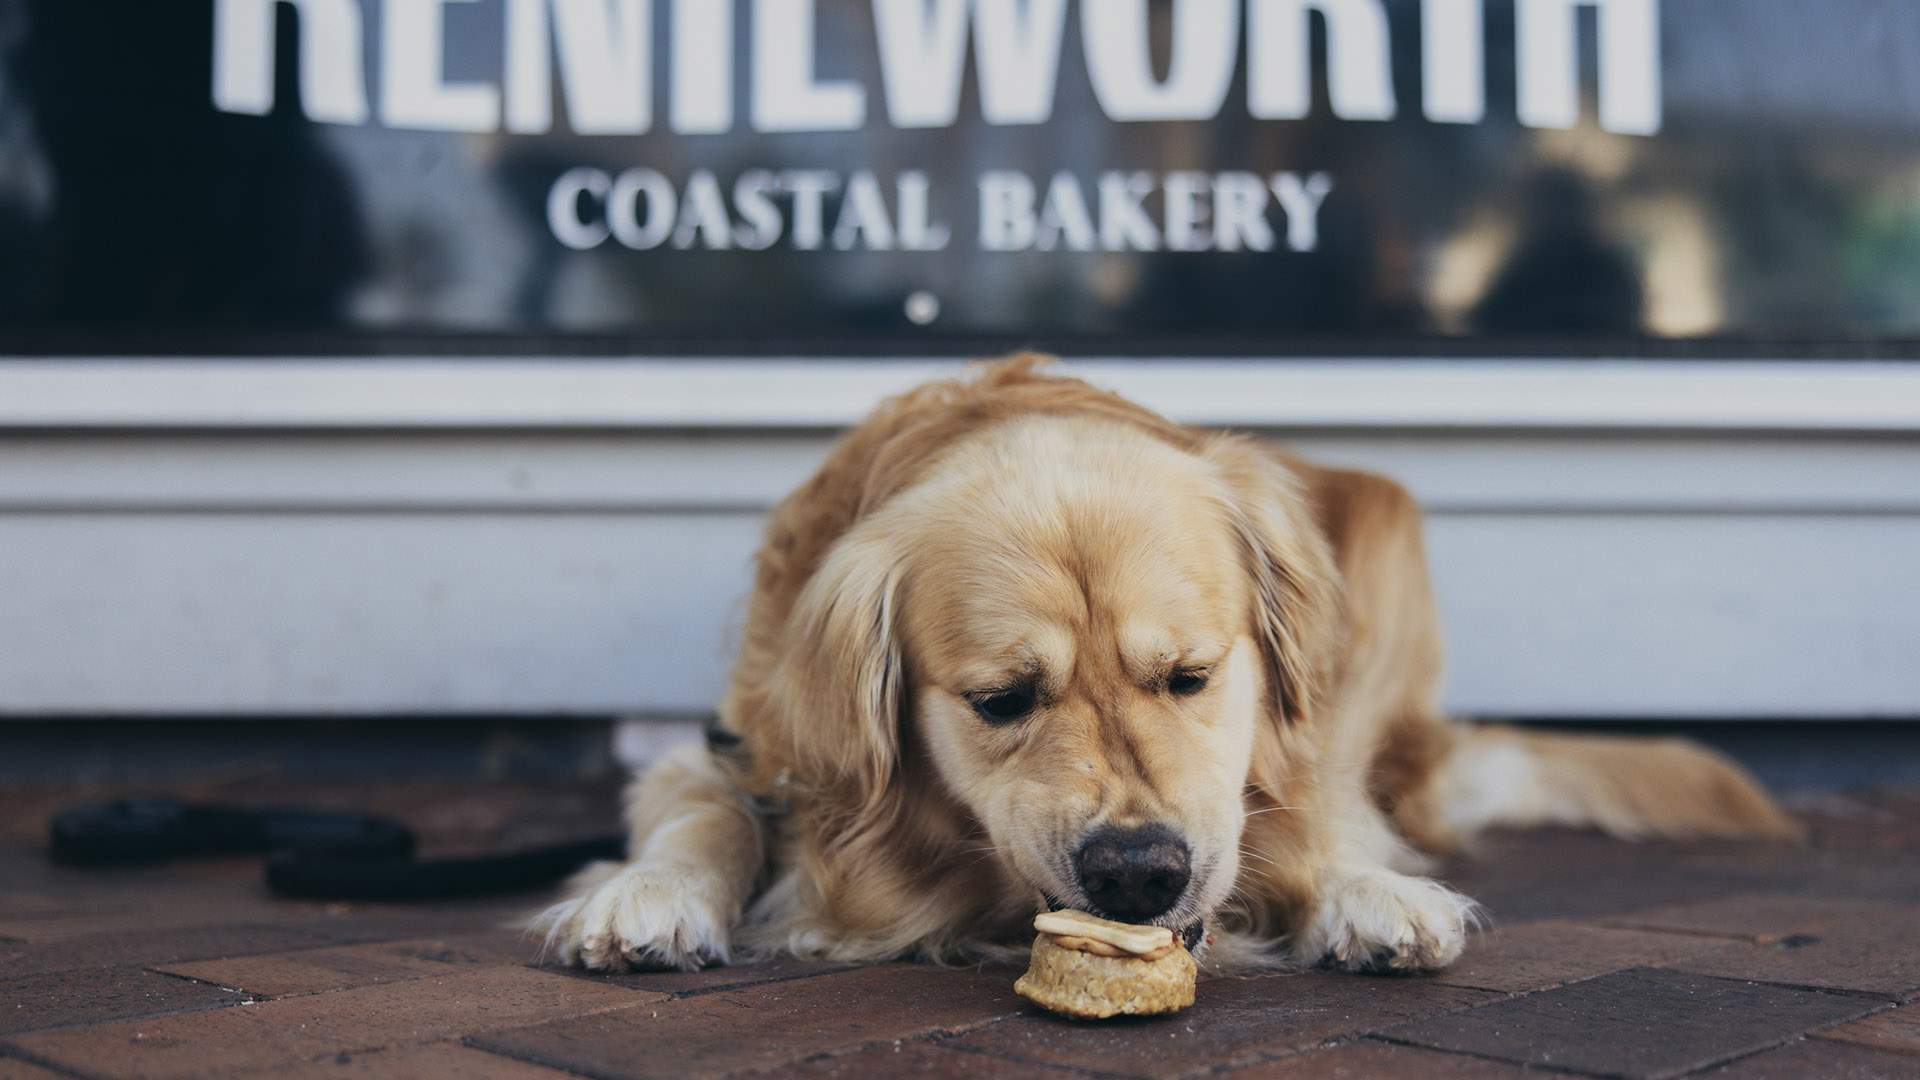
{"points": [[1629, 787]]}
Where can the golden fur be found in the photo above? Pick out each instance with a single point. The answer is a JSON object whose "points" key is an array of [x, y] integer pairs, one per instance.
{"points": [[1020, 525]]}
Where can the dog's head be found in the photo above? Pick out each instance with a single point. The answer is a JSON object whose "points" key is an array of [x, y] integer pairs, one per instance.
{"points": [[1091, 634]]}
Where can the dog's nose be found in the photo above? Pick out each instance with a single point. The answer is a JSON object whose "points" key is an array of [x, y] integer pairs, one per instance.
{"points": [[1133, 874]]}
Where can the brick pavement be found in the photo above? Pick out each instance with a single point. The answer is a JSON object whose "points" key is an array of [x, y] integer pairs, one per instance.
{"points": [[1607, 959]]}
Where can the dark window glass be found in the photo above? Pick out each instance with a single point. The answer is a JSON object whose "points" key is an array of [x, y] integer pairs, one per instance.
{"points": [[1347, 177]]}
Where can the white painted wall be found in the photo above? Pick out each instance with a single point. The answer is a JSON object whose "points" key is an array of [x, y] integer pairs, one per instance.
{"points": [[224, 558]]}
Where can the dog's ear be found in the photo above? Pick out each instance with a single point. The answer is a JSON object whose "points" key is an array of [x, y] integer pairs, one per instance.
{"points": [[1297, 612], [840, 685]]}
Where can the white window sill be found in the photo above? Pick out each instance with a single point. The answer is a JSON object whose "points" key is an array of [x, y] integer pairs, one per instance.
{"points": [[680, 393]]}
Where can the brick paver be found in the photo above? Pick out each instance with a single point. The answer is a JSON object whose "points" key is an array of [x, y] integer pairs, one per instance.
{"points": [[133, 949], [1370, 1059], [16, 1069], [925, 1061], [1810, 1060], [61, 998], [765, 1025], [1896, 1030], [298, 1029], [1243, 1020], [1567, 874], [1606, 958], [1877, 950], [1545, 954], [343, 967], [719, 977], [441, 1061], [1637, 1023], [1762, 918]]}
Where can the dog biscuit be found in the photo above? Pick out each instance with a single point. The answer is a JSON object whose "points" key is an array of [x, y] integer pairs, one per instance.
{"points": [[1091, 968]]}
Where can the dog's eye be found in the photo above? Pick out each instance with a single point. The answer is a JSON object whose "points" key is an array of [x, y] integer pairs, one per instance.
{"points": [[1000, 706], [1186, 682]]}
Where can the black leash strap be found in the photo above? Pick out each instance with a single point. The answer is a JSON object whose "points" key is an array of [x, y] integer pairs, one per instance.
{"points": [[311, 855], [133, 832], [328, 877]]}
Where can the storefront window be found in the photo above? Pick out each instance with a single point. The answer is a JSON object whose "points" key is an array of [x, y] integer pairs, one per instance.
{"points": [[1230, 177]]}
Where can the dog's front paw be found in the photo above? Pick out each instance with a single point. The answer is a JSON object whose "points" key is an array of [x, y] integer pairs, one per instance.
{"points": [[639, 916], [1377, 920]]}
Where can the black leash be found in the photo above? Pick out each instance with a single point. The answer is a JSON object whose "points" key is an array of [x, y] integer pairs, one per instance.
{"points": [[313, 855], [330, 877]]}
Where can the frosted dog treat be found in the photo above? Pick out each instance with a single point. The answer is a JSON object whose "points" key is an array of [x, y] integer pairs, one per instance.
{"points": [[1092, 968]]}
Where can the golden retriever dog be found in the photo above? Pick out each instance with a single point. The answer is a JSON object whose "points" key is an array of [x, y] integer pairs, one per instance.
{"points": [[1020, 643]]}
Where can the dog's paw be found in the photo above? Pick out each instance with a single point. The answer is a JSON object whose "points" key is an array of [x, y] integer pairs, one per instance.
{"points": [[1378, 920], [640, 917]]}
